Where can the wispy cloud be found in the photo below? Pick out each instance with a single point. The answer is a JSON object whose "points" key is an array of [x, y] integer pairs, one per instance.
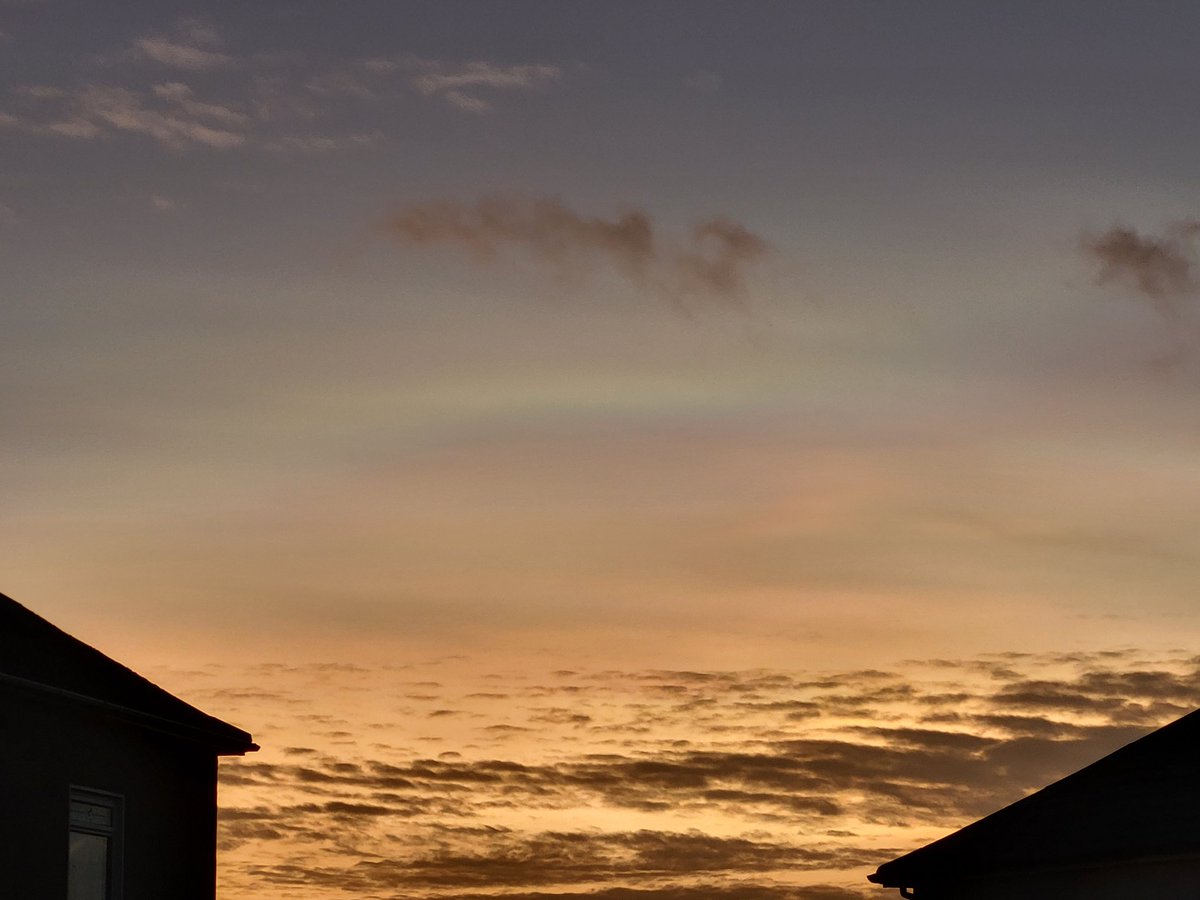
{"points": [[192, 45], [161, 203], [469, 86], [711, 262], [181, 56], [278, 102], [172, 124], [39, 91], [315, 144], [182, 96], [465, 85], [169, 113]]}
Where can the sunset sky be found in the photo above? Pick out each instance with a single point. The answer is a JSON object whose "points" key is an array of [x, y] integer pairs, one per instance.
{"points": [[677, 447]]}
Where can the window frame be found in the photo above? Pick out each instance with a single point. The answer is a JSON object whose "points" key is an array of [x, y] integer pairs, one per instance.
{"points": [[114, 831]]}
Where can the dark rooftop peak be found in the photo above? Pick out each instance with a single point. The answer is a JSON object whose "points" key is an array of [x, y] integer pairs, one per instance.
{"points": [[36, 655], [1140, 801]]}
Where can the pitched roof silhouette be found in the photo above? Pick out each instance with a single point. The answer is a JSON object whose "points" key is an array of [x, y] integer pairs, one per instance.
{"points": [[37, 656], [1140, 802]]}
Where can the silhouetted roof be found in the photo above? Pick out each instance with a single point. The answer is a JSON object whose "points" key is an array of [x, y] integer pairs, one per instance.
{"points": [[34, 655], [1140, 802]]}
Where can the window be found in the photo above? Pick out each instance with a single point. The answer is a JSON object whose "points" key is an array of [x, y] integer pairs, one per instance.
{"points": [[94, 849]]}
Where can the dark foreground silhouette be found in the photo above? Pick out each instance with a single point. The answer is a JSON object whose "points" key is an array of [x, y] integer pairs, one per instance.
{"points": [[109, 782], [1127, 826]]}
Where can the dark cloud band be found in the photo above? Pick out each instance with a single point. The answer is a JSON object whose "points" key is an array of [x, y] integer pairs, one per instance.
{"points": [[712, 262]]}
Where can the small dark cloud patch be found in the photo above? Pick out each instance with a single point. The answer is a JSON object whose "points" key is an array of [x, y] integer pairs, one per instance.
{"points": [[1161, 268]]}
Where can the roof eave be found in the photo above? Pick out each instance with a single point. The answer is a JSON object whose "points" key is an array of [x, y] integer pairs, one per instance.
{"points": [[222, 738]]}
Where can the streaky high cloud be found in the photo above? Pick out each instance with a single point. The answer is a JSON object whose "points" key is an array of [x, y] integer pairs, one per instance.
{"points": [[1160, 267], [712, 262], [183, 97], [192, 45], [471, 86], [168, 113], [269, 103], [181, 56], [174, 125], [316, 144], [461, 85]]}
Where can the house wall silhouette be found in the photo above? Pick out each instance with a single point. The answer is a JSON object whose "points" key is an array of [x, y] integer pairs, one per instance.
{"points": [[109, 783], [1124, 828]]}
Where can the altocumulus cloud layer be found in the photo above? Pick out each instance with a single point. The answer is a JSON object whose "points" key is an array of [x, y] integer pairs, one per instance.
{"points": [[711, 262], [184, 86], [425, 782]]}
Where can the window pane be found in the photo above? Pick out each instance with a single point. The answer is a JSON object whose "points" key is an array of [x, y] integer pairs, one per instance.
{"points": [[87, 875], [91, 815]]}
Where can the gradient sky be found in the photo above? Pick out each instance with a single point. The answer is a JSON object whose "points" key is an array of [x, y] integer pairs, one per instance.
{"points": [[602, 337]]}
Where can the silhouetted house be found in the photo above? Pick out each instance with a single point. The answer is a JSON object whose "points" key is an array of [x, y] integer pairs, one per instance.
{"points": [[1125, 827], [108, 784]]}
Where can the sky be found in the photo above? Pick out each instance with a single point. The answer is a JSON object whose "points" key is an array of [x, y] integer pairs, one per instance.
{"points": [[665, 450]]}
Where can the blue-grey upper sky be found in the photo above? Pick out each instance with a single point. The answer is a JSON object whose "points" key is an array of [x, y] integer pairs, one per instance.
{"points": [[860, 319]]}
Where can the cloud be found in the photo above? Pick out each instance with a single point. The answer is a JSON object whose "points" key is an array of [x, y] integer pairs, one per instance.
{"points": [[460, 85], [123, 110], [474, 858], [39, 91], [925, 776], [277, 102], [1160, 267], [712, 262], [466, 102], [721, 250], [742, 890], [340, 84], [168, 113], [76, 128], [181, 96], [471, 86], [316, 144], [181, 56], [876, 761], [193, 45]]}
